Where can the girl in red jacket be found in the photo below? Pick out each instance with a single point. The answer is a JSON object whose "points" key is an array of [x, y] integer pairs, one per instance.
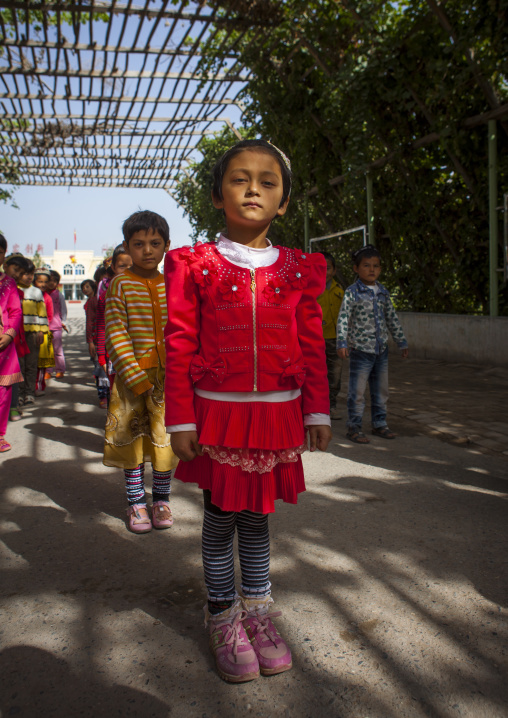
{"points": [[246, 376]]}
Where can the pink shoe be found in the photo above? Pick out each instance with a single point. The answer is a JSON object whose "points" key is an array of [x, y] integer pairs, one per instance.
{"points": [[162, 518], [271, 650], [4, 445], [236, 660], [139, 520]]}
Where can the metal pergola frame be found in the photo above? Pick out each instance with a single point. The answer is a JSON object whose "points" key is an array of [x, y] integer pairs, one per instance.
{"points": [[111, 94]]}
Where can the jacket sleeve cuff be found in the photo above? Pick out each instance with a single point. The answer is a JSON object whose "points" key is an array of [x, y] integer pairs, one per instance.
{"points": [[140, 387], [402, 345], [175, 428], [316, 420], [341, 344]]}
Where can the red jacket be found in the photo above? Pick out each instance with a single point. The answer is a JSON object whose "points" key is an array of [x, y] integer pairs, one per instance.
{"points": [[218, 339]]}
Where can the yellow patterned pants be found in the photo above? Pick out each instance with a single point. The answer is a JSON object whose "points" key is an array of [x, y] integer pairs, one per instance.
{"points": [[135, 427]]}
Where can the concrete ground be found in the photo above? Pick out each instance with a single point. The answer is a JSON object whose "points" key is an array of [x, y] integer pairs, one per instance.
{"points": [[390, 573]]}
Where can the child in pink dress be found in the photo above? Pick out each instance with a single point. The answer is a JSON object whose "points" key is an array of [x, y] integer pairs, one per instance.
{"points": [[246, 377], [57, 325], [11, 316]]}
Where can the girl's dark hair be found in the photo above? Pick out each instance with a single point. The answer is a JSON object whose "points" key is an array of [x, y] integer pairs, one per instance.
{"points": [[100, 272], [221, 166], [118, 250], [18, 261], [145, 221], [31, 266], [3, 242], [91, 283], [54, 275], [364, 253]]}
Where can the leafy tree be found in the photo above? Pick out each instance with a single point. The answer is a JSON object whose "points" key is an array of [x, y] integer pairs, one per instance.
{"points": [[392, 88]]}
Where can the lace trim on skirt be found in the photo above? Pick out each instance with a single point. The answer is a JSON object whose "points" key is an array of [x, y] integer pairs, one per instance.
{"points": [[262, 461]]}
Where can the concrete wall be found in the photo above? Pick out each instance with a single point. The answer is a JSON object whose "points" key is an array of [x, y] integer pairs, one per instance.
{"points": [[457, 338]]}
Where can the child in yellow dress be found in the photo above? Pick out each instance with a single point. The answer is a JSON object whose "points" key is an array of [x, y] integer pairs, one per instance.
{"points": [[136, 314]]}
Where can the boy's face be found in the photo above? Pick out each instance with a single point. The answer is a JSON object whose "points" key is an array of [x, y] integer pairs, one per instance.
{"points": [[41, 282], [14, 271], [251, 190], [27, 278], [52, 284], [146, 248], [330, 271], [369, 270]]}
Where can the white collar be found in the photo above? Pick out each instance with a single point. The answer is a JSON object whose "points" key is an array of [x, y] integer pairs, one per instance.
{"points": [[228, 244]]}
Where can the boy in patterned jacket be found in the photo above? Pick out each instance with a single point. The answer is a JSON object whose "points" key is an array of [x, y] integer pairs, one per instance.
{"points": [[365, 318]]}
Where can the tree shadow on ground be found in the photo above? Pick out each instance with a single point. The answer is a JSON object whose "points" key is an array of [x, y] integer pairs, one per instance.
{"points": [[33, 682], [390, 573]]}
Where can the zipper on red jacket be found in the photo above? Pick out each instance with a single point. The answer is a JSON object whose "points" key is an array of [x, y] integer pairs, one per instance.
{"points": [[254, 330]]}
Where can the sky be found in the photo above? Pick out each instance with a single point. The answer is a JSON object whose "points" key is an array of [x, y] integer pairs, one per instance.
{"points": [[47, 214]]}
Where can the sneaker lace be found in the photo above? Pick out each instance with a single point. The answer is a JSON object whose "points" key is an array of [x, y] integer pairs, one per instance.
{"points": [[262, 624], [232, 635]]}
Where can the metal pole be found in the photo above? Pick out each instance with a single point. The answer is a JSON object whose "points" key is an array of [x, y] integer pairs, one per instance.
{"points": [[370, 210], [493, 238], [306, 225]]}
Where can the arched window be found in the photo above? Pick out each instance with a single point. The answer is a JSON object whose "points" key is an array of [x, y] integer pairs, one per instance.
{"points": [[47, 266], [67, 269], [79, 269]]}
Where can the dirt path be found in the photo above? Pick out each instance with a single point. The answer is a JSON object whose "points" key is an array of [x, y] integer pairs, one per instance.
{"points": [[391, 575]]}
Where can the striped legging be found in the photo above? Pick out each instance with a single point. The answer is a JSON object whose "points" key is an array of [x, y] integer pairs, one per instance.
{"points": [[218, 559]]}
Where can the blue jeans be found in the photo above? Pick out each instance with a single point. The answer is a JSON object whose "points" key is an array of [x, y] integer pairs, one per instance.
{"points": [[372, 368]]}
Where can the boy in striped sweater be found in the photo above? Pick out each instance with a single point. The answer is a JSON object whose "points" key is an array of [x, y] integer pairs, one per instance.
{"points": [[135, 318]]}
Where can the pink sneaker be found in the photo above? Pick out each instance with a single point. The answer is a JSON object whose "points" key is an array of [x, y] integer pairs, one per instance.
{"points": [[271, 650], [139, 520], [162, 518], [236, 660]]}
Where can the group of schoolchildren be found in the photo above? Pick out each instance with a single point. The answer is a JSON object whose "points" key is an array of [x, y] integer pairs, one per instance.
{"points": [[32, 319], [217, 371]]}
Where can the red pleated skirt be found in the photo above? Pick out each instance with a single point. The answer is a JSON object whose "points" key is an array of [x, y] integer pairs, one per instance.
{"points": [[272, 430]]}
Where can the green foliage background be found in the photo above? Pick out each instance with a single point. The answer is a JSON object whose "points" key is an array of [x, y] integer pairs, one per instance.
{"points": [[341, 85]]}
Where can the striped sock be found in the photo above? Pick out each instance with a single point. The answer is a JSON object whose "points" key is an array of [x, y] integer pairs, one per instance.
{"points": [[254, 552], [135, 485], [161, 487], [218, 560]]}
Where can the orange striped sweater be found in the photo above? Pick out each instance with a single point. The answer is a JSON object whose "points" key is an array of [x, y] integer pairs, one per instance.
{"points": [[136, 314]]}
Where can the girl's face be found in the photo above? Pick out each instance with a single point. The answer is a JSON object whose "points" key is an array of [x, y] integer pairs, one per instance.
{"points": [[41, 282], [87, 290], [13, 271], [122, 262], [251, 190], [2, 257], [52, 284], [369, 270], [27, 278]]}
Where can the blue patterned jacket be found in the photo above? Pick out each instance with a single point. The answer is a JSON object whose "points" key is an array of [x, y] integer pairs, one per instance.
{"points": [[365, 319]]}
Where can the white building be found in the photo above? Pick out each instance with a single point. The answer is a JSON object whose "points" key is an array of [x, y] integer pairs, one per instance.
{"points": [[73, 268]]}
